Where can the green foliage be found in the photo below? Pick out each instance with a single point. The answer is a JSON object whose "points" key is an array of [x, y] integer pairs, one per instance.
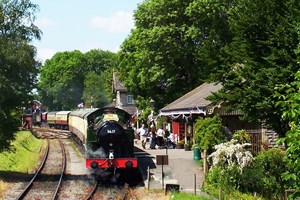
{"points": [[292, 175], [263, 176], [61, 80], [260, 55], [19, 69], [241, 136], [99, 61], [232, 194], [180, 142], [209, 132], [8, 124], [249, 46], [161, 120], [17, 21], [161, 53], [94, 93], [289, 102], [226, 179], [70, 77]]}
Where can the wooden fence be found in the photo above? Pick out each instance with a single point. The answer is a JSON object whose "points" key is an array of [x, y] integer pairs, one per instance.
{"points": [[256, 140]]}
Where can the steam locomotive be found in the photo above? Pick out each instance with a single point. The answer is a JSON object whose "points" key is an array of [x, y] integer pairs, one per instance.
{"points": [[107, 137]]}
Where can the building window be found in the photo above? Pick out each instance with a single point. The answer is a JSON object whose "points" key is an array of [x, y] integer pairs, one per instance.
{"points": [[130, 99]]}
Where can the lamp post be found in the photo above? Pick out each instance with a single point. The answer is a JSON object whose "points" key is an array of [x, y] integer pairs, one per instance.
{"points": [[137, 115], [91, 101], [152, 108], [152, 105]]}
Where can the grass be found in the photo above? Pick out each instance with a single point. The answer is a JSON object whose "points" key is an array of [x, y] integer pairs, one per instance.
{"points": [[186, 196], [24, 154], [229, 194]]}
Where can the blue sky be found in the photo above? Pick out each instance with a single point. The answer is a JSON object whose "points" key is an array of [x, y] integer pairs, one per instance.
{"points": [[83, 25]]}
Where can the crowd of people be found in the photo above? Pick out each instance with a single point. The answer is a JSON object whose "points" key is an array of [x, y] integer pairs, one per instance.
{"points": [[157, 138]]}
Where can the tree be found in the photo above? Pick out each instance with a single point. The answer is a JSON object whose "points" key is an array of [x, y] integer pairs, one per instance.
{"points": [[290, 103], [163, 54], [95, 94], [260, 55], [61, 80], [99, 61], [64, 79], [19, 69]]}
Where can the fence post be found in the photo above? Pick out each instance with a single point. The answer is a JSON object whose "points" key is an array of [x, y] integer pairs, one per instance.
{"points": [[195, 185], [205, 164], [148, 178]]}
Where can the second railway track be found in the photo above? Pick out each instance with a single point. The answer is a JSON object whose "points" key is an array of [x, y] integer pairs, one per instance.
{"points": [[47, 180]]}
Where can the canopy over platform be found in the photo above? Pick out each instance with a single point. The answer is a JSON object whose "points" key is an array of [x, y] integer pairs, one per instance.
{"points": [[194, 102]]}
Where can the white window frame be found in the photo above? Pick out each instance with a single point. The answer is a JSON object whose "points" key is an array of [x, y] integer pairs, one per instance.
{"points": [[130, 99]]}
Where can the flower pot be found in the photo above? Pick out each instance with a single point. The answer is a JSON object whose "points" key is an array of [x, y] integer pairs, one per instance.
{"points": [[187, 148], [179, 146]]}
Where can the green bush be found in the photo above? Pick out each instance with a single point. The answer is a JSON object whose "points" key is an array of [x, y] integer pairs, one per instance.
{"points": [[226, 179], [264, 174], [209, 132]]}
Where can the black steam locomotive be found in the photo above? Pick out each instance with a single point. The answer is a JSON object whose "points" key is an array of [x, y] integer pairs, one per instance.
{"points": [[108, 139]]}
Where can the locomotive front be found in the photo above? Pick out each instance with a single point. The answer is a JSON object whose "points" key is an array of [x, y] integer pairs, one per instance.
{"points": [[110, 151]]}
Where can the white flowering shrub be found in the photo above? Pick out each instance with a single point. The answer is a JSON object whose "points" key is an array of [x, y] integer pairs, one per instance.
{"points": [[231, 154], [235, 169]]}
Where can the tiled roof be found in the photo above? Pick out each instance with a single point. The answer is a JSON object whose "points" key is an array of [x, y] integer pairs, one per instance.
{"points": [[194, 99], [118, 86], [131, 109]]}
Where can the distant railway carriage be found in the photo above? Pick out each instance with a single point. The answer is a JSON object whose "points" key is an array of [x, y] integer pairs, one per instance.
{"points": [[44, 117], [62, 119], [51, 119]]}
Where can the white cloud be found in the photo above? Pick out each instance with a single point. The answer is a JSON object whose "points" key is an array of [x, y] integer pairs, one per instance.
{"points": [[44, 54], [119, 22], [45, 22]]}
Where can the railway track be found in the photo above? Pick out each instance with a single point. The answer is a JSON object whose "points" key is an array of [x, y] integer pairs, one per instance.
{"points": [[47, 180], [51, 133], [107, 192]]}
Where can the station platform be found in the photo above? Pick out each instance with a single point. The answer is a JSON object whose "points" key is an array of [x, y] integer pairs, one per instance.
{"points": [[181, 169]]}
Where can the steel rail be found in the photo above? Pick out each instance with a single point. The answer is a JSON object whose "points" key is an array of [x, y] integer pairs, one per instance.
{"points": [[63, 168], [124, 196], [92, 192], [25, 191]]}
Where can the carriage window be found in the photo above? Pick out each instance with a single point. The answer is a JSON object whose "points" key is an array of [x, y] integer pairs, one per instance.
{"points": [[130, 99]]}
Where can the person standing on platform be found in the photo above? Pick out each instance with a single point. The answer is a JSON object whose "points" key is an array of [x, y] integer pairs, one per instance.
{"points": [[143, 131], [152, 137], [159, 137]]}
